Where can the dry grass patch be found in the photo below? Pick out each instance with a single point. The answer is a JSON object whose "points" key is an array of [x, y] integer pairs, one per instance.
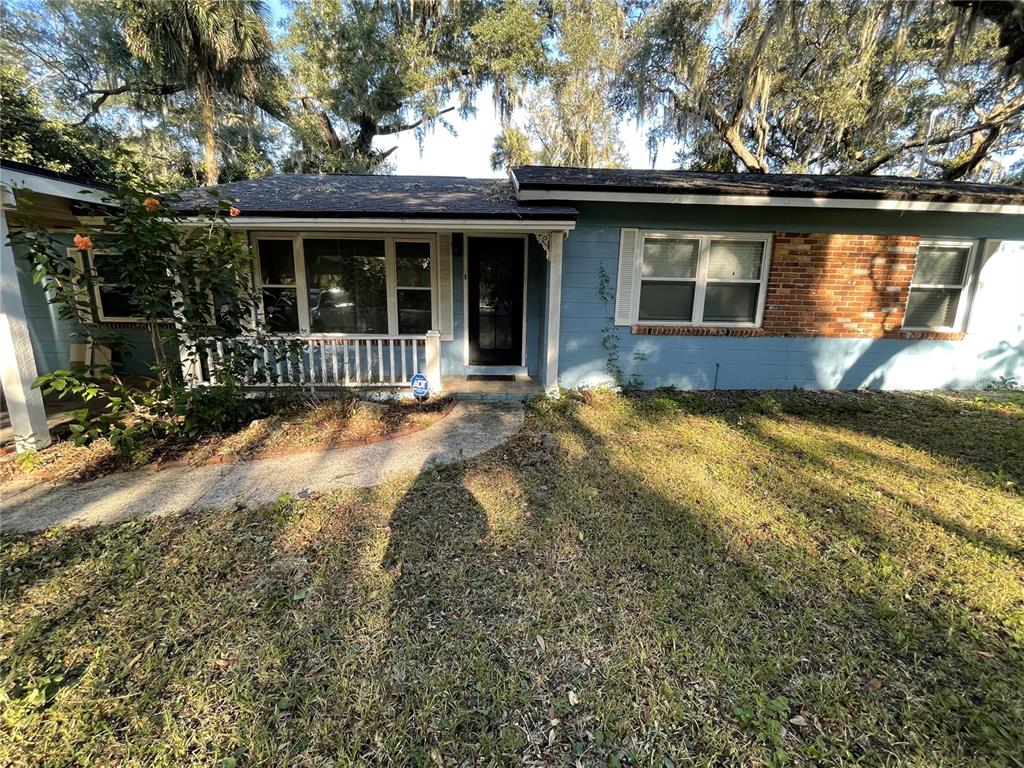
{"points": [[313, 424], [667, 579]]}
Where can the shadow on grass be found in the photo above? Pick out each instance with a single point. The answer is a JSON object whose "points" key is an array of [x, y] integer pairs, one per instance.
{"points": [[662, 582]]}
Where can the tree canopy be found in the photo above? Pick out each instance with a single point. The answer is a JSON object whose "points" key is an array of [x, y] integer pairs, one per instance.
{"points": [[27, 135], [201, 91], [368, 69], [823, 86]]}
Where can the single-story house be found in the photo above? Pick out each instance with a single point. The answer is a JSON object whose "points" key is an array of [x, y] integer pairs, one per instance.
{"points": [[569, 277]]}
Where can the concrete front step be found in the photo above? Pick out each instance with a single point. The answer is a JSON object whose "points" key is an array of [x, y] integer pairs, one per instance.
{"points": [[523, 388]]}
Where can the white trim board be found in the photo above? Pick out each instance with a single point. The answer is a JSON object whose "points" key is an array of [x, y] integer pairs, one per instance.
{"points": [[390, 225], [765, 201], [45, 185]]}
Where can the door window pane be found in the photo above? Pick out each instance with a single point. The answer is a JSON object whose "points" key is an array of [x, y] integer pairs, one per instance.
{"points": [[731, 302], [940, 265], [496, 305], [414, 316], [413, 262], [664, 257], [280, 310], [347, 286], [277, 266], [932, 308], [735, 260], [666, 301]]}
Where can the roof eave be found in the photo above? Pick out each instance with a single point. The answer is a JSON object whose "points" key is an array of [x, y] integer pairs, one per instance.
{"points": [[397, 223], [554, 193]]}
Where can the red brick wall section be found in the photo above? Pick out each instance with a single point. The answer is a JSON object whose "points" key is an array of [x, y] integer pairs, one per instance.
{"points": [[838, 285], [832, 285]]}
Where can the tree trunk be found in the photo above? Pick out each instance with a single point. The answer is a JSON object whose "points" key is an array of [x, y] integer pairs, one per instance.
{"points": [[324, 121], [209, 138]]}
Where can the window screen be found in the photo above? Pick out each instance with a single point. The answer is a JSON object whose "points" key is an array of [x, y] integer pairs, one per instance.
{"points": [[940, 274]]}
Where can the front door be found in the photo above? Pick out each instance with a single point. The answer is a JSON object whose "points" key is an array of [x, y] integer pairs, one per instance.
{"points": [[494, 288]]}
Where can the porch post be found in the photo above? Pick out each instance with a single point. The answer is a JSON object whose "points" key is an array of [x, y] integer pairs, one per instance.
{"points": [[433, 361], [554, 312], [17, 362]]}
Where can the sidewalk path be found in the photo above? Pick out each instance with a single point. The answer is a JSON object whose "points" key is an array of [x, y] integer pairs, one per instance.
{"points": [[470, 429]]}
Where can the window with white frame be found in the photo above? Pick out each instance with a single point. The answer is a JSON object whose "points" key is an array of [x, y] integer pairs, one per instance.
{"points": [[278, 287], [696, 278], [351, 284], [413, 286], [113, 304], [937, 299]]}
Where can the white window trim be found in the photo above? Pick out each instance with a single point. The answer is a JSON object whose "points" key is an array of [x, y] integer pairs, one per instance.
{"points": [[701, 280], [96, 297], [965, 288], [390, 271]]}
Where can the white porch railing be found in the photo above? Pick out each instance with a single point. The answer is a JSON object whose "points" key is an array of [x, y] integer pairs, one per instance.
{"points": [[317, 360]]}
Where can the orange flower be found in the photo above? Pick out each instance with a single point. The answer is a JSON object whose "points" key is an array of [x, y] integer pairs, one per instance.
{"points": [[232, 211], [83, 242], [151, 204]]}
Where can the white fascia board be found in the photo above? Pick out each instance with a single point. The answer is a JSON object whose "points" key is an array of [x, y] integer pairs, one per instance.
{"points": [[44, 185], [265, 223], [765, 201]]}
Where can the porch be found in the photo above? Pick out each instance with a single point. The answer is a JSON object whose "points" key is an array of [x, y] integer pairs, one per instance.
{"points": [[475, 312], [365, 281], [323, 362]]}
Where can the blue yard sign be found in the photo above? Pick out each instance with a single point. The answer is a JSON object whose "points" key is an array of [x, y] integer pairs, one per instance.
{"points": [[420, 387]]}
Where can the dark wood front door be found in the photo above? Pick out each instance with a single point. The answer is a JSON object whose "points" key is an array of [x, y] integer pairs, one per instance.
{"points": [[494, 287]]}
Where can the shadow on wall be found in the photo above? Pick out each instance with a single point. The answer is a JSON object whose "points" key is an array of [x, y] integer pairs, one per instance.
{"points": [[885, 364], [992, 351]]}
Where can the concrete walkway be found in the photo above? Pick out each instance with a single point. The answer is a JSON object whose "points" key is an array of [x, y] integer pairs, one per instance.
{"points": [[469, 430]]}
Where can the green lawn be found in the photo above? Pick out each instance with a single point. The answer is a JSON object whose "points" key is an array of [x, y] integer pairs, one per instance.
{"points": [[667, 579]]}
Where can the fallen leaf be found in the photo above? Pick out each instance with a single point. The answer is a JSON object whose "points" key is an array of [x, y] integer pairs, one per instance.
{"points": [[874, 683], [542, 644], [435, 755], [573, 698], [799, 720]]}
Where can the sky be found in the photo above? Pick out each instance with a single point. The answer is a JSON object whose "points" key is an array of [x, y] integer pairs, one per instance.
{"points": [[468, 152]]}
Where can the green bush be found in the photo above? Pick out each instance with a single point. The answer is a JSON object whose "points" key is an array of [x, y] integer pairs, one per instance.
{"points": [[186, 283]]}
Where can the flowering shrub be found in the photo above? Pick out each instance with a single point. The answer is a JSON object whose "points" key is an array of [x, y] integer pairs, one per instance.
{"points": [[186, 279]]}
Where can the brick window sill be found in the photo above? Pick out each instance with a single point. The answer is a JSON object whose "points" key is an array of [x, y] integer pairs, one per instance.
{"points": [[711, 330], [693, 330], [933, 335]]}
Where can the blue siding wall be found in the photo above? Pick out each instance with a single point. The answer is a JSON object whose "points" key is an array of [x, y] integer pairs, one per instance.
{"points": [[993, 348], [52, 336]]}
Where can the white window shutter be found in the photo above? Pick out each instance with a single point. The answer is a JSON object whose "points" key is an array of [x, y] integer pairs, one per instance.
{"points": [[444, 286], [627, 276]]}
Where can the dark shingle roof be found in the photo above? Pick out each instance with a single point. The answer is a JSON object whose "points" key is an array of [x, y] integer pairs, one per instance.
{"points": [[360, 195], [767, 184]]}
